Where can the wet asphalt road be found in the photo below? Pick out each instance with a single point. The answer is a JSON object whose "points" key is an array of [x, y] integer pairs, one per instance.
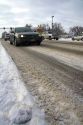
{"points": [[56, 85]]}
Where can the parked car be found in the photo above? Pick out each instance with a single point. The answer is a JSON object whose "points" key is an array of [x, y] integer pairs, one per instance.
{"points": [[24, 35], [78, 38], [47, 36], [6, 36]]}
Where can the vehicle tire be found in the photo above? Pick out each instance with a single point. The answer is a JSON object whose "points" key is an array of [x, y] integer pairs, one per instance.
{"points": [[73, 39], [54, 38], [11, 43], [5, 39], [43, 38], [82, 39], [50, 38], [15, 42], [38, 43], [57, 38]]}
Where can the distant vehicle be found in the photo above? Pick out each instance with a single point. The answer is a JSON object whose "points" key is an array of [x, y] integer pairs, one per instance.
{"points": [[65, 36], [47, 36], [24, 35], [55, 36], [50, 36], [78, 38], [6, 36]]}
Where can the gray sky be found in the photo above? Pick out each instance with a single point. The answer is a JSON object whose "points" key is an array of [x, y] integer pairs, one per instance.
{"points": [[21, 12]]}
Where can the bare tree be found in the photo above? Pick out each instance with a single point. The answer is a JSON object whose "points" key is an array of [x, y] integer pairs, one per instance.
{"points": [[58, 29], [45, 27], [42, 28], [28, 25], [76, 30]]}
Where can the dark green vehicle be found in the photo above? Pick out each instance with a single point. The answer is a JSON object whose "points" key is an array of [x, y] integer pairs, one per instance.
{"points": [[24, 35]]}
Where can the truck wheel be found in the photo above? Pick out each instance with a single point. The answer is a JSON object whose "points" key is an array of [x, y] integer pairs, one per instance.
{"points": [[5, 39], [82, 39], [73, 39], [50, 38], [38, 43], [56, 38], [15, 42], [11, 43]]}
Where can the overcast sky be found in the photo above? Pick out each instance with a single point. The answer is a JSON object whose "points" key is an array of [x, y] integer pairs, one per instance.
{"points": [[21, 12]]}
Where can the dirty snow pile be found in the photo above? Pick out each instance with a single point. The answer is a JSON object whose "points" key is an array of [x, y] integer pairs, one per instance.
{"points": [[16, 104], [66, 39]]}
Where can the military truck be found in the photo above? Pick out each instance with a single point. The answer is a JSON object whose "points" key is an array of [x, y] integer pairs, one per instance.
{"points": [[24, 35]]}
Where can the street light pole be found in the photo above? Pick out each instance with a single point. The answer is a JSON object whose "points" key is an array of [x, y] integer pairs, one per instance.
{"points": [[52, 24]]}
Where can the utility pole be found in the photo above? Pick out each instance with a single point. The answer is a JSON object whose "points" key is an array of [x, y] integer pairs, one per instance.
{"points": [[52, 24]]}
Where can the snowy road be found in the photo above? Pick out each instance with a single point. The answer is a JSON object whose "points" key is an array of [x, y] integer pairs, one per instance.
{"points": [[53, 76], [16, 104]]}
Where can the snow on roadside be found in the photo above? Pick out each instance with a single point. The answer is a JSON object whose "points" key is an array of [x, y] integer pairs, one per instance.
{"points": [[16, 104], [62, 39], [64, 57], [66, 39]]}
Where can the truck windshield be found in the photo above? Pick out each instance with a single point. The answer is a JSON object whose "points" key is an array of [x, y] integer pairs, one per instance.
{"points": [[23, 29]]}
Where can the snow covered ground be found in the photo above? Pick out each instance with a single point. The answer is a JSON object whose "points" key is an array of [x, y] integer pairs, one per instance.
{"points": [[66, 58], [16, 104], [67, 39]]}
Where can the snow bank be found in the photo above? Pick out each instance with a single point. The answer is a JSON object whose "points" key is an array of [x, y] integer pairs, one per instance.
{"points": [[66, 39], [16, 104]]}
